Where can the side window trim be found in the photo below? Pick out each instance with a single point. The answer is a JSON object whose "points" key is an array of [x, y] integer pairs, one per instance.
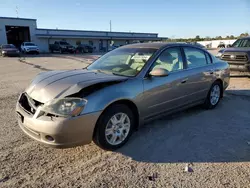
{"points": [[202, 51], [208, 56]]}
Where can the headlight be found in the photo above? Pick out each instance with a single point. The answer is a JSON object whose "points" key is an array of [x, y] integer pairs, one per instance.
{"points": [[3, 52], [65, 106], [218, 54], [17, 51]]}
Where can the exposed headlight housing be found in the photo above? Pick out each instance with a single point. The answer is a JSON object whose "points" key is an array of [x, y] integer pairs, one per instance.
{"points": [[219, 54], [65, 107]]}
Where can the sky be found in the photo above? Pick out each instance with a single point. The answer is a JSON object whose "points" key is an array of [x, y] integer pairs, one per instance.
{"points": [[169, 18]]}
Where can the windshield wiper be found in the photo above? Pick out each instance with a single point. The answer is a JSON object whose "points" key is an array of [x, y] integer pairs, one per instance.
{"points": [[117, 74], [109, 72]]}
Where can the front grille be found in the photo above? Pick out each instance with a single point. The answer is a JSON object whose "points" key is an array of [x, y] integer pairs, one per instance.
{"points": [[29, 104], [235, 57]]}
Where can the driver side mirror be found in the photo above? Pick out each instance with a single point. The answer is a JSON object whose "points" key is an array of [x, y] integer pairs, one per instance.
{"points": [[159, 72], [229, 45]]}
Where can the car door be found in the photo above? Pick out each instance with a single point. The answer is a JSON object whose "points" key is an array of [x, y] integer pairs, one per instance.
{"points": [[163, 94], [199, 74]]}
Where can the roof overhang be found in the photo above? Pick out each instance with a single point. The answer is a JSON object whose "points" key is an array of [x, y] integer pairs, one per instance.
{"points": [[48, 36]]}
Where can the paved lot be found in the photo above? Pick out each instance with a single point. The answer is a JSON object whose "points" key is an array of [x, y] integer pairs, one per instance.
{"points": [[213, 142]]}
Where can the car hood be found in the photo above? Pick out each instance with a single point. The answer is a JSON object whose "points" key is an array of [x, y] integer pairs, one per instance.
{"points": [[58, 84], [235, 50]]}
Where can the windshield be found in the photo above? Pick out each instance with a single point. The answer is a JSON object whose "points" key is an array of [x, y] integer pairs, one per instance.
{"points": [[241, 43], [64, 43], [123, 61], [29, 44], [8, 46]]}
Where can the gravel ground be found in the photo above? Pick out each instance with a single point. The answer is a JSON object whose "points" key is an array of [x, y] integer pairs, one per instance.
{"points": [[215, 143]]}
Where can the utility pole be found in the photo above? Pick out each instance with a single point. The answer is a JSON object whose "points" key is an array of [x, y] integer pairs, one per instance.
{"points": [[110, 26], [17, 11]]}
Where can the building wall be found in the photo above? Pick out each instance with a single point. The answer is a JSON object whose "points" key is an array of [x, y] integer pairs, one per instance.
{"points": [[119, 42], [31, 23]]}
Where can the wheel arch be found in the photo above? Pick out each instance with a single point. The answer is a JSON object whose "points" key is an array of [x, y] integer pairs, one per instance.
{"points": [[221, 83], [126, 102]]}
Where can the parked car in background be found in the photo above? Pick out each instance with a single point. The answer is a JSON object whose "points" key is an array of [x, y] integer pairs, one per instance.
{"points": [[112, 47], [9, 50], [29, 47], [221, 45], [84, 48], [112, 97], [237, 55], [61, 47]]}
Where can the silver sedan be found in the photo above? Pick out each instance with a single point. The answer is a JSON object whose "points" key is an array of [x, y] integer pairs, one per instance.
{"points": [[115, 95]]}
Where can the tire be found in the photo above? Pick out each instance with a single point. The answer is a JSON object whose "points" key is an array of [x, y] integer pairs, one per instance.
{"points": [[103, 139], [213, 96]]}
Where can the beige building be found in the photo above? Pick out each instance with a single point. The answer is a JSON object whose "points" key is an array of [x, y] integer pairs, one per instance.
{"points": [[18, 30]]}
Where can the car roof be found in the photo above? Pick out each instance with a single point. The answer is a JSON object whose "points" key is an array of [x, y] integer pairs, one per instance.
{"points": [[156, 45]]}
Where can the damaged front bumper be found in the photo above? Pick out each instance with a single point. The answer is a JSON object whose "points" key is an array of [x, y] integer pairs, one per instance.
{"points": [[59, 132]]}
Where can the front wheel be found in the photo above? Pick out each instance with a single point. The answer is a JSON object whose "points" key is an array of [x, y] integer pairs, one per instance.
{"points": [[214, 96], [114, 127]]}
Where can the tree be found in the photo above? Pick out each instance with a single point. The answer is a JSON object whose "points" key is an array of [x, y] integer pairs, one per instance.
{"points": [[244, 34], [219, 38], [197, 37], [207, 38], [232, 37]]}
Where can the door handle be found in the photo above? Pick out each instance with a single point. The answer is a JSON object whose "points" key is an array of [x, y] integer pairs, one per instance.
{"points": [[211, 71], [184, 81]]}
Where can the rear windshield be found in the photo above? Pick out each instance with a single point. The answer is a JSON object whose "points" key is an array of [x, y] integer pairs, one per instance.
{"points": [[8, 46], [29, 44]]}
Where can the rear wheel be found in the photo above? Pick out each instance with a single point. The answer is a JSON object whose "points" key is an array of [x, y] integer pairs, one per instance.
{"points": [[214, 95], [114, 127]]}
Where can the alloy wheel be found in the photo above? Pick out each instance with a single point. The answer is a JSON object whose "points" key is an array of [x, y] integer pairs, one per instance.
{"points": [[117, 128], [215, 95]]}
